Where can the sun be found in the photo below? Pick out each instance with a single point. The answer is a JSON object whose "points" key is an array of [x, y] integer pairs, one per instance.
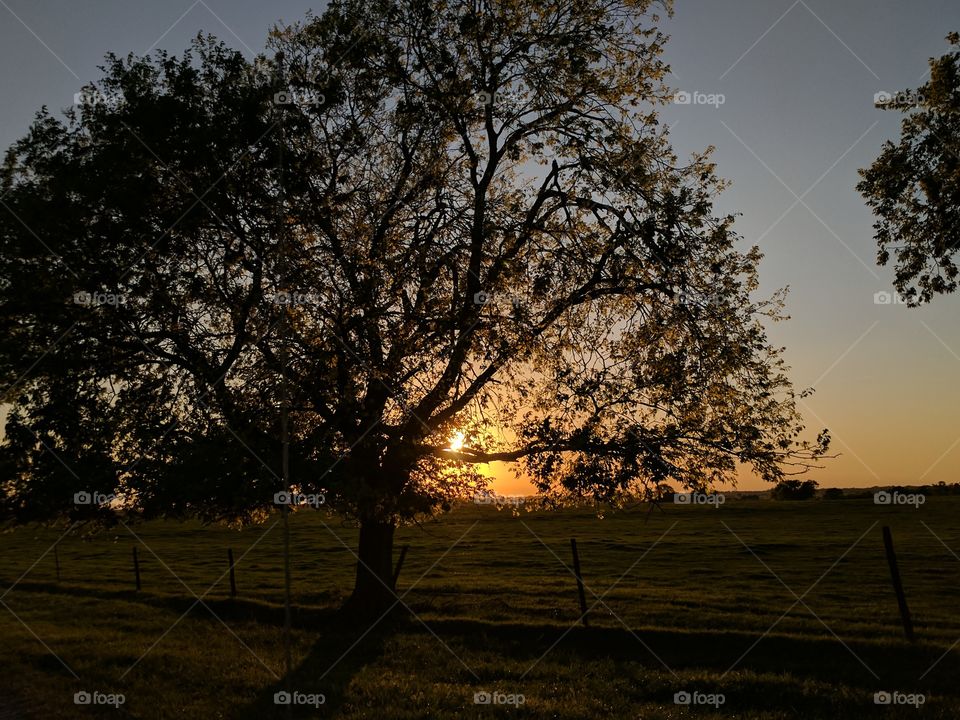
{"points": [[456, 442]]}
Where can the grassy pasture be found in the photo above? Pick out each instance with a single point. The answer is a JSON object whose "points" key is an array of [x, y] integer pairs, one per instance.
{"points": [[786, 609]]}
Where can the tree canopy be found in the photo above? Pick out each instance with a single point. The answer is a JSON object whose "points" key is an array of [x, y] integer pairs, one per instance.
{"points": [[914, 184], [406, 219], [794, 489]]}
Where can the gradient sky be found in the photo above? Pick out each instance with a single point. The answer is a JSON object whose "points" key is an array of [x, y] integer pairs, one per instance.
{"points": [[798, 79]]}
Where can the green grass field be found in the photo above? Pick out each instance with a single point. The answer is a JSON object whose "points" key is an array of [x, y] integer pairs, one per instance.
{"points": [[786, 609]]}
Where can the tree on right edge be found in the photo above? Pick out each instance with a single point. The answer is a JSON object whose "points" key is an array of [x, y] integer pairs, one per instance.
{"points": [[914, 185]]}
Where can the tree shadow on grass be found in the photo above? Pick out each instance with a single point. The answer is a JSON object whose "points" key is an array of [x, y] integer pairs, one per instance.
{"points": [[757, 664], [347, 645], [746, 664], [815, 676]]}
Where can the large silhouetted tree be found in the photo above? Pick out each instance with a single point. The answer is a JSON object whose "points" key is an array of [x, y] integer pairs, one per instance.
{"points": [[409, 219], [914, 185]]}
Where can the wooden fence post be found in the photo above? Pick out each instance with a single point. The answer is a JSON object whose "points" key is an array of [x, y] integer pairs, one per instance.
{"points": [[233, 579], [136, 567], [897, 585], [576, 569], [396, 570]]}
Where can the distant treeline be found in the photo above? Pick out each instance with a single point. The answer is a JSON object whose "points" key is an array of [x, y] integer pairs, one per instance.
{"points": [[940, 488], [807, 490]]}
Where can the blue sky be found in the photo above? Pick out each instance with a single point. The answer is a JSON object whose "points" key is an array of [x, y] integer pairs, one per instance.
{"points": [[798, 79]]}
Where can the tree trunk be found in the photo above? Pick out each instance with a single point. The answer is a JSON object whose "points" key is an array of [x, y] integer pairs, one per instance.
{"points": [[373, 592]]}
